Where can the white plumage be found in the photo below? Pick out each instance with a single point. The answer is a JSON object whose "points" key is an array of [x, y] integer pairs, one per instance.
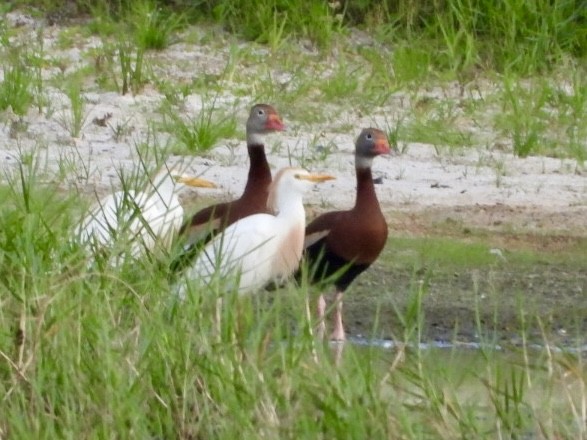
{"points": [[138, 221], [262, 247]]}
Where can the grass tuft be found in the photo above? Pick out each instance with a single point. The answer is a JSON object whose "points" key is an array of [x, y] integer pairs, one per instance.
{"points": [[153, 25], [16, 88], [201, 132], [74, 118]]}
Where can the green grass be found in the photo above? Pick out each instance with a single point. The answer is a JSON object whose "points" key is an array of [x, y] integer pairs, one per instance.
{"points": [[113, 353], [152, 25], [16, 88], [130, 59], [456, 35], [473, 250], [74, 117], [271, 22], [341, 83], [201, 132]]}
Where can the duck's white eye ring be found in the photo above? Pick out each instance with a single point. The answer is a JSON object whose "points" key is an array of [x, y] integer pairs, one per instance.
{"points": [[260, 112], [369, 136]]}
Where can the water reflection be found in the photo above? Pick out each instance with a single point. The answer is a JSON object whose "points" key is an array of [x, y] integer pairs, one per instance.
{"points": [[389, 344]]}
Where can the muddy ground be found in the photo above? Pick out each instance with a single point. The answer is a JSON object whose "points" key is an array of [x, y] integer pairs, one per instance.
{"points": [[486, 304]]}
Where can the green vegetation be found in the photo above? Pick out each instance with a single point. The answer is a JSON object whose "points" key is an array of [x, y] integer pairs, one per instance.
{"points": [[456, 34], [113, 352], [15, 89], [474, 251], [455, 73], [74, 118], [201, 132], [152, 25]]}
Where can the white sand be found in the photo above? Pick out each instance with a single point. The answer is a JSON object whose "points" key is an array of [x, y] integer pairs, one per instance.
{"points": [[415, 180]]}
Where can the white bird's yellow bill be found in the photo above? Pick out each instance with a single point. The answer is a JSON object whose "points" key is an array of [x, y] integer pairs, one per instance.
{"points": [[316, 178], [197, 182]]}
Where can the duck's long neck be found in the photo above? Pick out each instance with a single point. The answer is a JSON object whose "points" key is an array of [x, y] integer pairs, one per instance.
{"points": [[366, 195], [259, 177]]}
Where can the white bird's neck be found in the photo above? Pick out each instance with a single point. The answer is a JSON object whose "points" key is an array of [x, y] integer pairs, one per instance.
{"points": [[292, 221], [290, 207], [164, 185]]}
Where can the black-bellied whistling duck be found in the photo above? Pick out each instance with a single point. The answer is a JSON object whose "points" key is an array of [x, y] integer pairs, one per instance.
{"points": [[145, 219], [263, 119], [342, 244], [263, 247]]}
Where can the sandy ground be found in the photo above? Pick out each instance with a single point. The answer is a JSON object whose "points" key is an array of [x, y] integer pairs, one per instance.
{"points": [[474, 185]]}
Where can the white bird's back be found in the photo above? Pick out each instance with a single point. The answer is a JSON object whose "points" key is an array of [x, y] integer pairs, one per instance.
{"points": [[137, 221]]}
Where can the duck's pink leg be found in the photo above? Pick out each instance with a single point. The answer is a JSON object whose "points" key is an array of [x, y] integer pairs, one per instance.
{"points": [[338, 331], [321, 329]]}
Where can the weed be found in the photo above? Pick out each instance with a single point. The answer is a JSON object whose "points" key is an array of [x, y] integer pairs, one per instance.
{"points": [[315, 151], [202, 132], [74, 119], [121, 129], [269, 21], [410, 64], [507, 396], [152, 25], [524, 116], [412, 319], [394, 131], [500, 169], [437, 132], [341, 84], [131, 67], [15, 89]]}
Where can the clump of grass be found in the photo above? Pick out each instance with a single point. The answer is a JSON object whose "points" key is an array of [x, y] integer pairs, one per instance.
{"points": [[411, 319], [524, 116], [309, 154], [435, 122], [462, 34], [130, 59], [199, 133], [152, 24], [137, 27], [411, 64], [74, 118], [16, 88], [341, 83], [270, 22]]}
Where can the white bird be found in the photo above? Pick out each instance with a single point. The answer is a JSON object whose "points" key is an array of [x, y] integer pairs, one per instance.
{"points": [[139, 220], [262, 247]]}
